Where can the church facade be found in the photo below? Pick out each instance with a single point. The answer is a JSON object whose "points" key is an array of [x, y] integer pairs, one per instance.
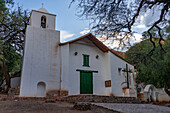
{"points": [[81, 66]]}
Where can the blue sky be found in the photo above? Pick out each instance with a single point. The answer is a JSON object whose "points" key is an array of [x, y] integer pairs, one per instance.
{"points": [[67, 22], [70, 25]]}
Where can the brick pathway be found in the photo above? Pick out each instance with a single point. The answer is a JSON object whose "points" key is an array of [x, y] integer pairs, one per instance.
{"points": [[135, 108]]}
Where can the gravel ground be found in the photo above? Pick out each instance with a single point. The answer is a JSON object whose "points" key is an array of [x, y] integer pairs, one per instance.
{"points": [[34, 106], [135, 108]]}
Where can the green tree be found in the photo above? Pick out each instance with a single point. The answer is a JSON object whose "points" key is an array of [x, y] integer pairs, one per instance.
{"points": [[153, 69], [12, 33], [10, 62]]}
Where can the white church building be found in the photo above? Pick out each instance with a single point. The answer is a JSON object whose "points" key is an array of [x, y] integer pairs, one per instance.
{"points": [[81, 66]]}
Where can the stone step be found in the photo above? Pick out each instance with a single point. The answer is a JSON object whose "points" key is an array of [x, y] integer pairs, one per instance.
{"points": [[98, 99]]}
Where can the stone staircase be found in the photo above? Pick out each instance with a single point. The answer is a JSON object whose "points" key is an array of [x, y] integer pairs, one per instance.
{"points": [[85, 98], [98, 99]]}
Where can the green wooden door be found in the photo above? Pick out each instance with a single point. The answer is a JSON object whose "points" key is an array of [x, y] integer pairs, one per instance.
{"points": [[86, 83]]}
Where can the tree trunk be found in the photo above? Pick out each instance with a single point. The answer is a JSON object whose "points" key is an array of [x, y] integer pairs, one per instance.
{"points": [[5, 73]]}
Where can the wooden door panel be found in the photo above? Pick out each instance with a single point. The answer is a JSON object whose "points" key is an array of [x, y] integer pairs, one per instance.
{"points": [[86, 83]]}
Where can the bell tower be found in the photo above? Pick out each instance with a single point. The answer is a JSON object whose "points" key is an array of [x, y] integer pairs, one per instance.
{"points": [[41, 61], [42, 18]]}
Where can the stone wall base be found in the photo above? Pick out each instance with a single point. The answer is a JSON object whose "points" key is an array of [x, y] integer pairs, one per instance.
{"points": [[98, 98], [56, 93]]}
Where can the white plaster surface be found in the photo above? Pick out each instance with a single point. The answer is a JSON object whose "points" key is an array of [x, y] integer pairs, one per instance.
{"points": [[100, 65], [41, 60], [155, 94], [43, 10], [56, 66], [117, 79], [15, 82], [35, 19], [107, 66]]}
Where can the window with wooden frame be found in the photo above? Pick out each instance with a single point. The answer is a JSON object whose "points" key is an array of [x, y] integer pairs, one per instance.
{"points": [[108, 83], [86, 60]]}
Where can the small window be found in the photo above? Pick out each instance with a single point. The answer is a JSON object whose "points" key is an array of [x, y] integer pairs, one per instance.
{"points": [[86, 60], [43, 22], [120, 71]]}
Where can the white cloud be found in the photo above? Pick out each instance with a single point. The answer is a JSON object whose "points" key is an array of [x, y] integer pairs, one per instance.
{"points": [[151, 16], [146, 19], [142, 18], [138, 36], [65, 35], [141, 26], [112, 43], [85, 31]]}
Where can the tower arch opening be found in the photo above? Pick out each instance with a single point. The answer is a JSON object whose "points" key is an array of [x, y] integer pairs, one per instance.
{"points": [[41, 89], [43, 21]]}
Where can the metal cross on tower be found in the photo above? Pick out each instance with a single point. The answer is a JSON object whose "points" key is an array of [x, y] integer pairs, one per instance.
{"points": [[42, 5], [127, 72]]}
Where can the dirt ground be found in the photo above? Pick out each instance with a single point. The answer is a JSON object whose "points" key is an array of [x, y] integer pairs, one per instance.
{"points": [[28, 106]]}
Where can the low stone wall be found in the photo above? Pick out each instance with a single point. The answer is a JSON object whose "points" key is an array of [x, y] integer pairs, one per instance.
{"points": [[30, 98], [98, 99], [153, 94], [84, 98]]}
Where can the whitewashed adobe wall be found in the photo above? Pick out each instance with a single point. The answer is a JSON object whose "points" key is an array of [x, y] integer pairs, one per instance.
{"points": [[75, 62], [41, 63], [41, 60], [107, 66], [65, 67], [117, 79], [151, 93], [15, 82], [48, 66], [36, 17]]}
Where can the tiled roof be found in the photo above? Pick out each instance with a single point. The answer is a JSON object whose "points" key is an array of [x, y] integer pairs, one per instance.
{"points": [[121, 54], [92, 39]]}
